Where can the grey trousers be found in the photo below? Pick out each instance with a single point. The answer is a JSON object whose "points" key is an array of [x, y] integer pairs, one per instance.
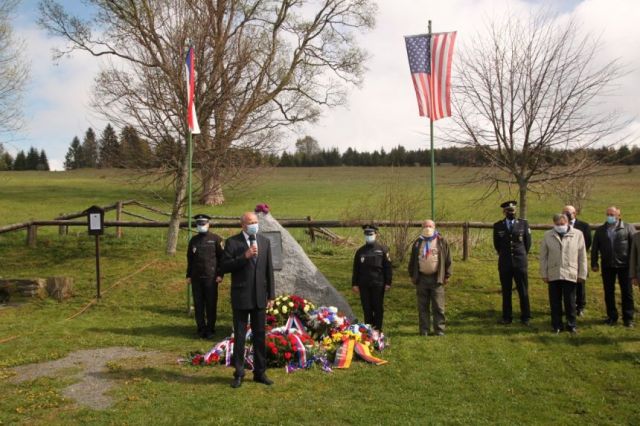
{"points": [[430, 297]]}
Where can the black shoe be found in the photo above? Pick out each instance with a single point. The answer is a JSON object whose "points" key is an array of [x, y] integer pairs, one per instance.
{"points": [[263, 379], [504, 322], [209, 335], [610, 321], [237, 382], [439, 333], [580, 313], [572, 330], [629, 324]]}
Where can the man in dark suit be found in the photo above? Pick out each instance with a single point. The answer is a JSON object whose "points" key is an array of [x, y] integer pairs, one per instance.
{"points": [[512, 241], [247, 256], [581, 293]]}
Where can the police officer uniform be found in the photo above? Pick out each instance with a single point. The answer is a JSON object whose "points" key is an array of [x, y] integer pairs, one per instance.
{"points": [[203, 267], [512, 241], [372, 272]]}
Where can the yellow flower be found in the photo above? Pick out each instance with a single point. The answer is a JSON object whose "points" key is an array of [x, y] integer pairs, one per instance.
{"points": [[284, 309]]}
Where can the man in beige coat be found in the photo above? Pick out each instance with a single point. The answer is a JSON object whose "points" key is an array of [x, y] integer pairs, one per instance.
{"points": [[563, 264]]}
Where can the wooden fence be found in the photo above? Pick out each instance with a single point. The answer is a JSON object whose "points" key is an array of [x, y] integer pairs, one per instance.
{"points": [[64, 221]]}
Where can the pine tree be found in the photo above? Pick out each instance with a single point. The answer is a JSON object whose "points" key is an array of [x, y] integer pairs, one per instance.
{"points": [[109, 149], [6, 160], [21, 161], [32, 159], [134, 150], [89, 157], [43, 161], [73, 159]]}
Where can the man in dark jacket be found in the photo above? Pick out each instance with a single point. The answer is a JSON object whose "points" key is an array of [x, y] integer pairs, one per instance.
{"points": [[203, 273], [581, 292], [612, 244], [372, 275], [512, 241], [430, 269], [247, 256]]}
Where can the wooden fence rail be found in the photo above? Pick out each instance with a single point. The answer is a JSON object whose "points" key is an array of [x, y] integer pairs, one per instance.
{"points": [[233, 222]]}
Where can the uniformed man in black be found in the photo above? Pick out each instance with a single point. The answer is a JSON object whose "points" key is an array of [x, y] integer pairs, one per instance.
{"points": [[581, 294], [372, 275], [512, 241], [204, 275]]}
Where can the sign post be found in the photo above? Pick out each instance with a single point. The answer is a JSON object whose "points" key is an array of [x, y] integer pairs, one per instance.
{"points": [[95, 224]]}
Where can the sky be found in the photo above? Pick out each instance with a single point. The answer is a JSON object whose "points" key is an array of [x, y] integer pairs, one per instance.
{"points": [[382, 113]]}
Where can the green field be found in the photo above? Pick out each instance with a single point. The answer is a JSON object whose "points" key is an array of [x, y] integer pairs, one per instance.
{"points": [[479, 373]]}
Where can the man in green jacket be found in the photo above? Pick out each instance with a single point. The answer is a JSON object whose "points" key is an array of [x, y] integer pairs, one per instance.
{"points": [[430, 269]]}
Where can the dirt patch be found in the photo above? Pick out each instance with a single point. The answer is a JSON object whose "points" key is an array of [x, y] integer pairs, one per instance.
{"points": [[89, 367]]}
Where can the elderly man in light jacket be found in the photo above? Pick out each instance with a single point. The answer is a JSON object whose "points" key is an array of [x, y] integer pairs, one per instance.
{"points": [[563, 264]]}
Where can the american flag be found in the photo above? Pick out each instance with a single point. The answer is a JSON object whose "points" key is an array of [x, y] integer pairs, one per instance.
{"points": [[430, 64], [192, 120]]}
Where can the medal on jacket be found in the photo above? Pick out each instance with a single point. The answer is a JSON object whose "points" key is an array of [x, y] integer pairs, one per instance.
{"points": [[194, 250], [361, 259]]}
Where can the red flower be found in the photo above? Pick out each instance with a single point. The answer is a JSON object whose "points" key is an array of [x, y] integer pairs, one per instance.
{"points": [[287, 356], [274, 350]]}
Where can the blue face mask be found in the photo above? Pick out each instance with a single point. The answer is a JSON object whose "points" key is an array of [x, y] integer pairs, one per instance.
{"points": [[202, 229], [370, 239], [611, 220], [252, 229]]}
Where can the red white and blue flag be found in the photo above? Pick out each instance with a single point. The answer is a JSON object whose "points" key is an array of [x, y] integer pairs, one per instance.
{"points": [[192, 120], [430, 58]]}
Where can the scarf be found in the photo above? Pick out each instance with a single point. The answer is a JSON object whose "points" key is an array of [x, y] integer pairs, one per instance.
{"points": [[427, 243]]}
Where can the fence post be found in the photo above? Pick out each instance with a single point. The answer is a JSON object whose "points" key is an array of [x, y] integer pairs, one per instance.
{"points": [[118, 219], [32, 235], [312, 234], [465, 241], [62, 229]]}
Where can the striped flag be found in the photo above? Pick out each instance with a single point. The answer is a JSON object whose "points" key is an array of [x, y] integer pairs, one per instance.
{"points": [[192, 120], [430, 64]]}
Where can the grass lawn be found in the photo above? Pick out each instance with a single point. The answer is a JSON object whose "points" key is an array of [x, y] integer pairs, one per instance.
{"points": [[479, 373]]}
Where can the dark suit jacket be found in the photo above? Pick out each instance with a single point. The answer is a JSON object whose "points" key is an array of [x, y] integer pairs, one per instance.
{"points": [[247, 277], [512, 247], [586, 232]]}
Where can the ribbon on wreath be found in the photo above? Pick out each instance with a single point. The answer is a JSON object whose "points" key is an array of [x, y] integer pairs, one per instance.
{"points": [[344, 354], [363, 352], [294, 322]]}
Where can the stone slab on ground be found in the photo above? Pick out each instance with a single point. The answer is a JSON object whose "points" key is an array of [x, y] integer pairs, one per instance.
{"points": [[92, 386]]}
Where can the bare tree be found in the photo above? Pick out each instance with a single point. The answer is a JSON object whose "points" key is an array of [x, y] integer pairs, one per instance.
{"points": [[261, 65], [14, 71], [528, 91]]}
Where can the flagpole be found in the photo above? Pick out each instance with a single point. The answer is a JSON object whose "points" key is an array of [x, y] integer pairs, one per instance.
{"points": [[189, 187], [433, 169], [189, 213]]}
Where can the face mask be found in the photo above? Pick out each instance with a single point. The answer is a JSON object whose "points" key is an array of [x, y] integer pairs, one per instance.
{"points": [[370, 239], [511, 215], [611, 220], [561, 229], [428, 232], [202, 228], [252, 229]]}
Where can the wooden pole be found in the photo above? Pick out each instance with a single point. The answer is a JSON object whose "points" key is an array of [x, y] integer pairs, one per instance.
{"points": [[311, 232], [98, 267], [118, 219], [465, 241], [32, 235]]}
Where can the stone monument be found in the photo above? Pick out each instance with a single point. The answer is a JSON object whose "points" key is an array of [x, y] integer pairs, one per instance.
{"points": [[295, 273]]}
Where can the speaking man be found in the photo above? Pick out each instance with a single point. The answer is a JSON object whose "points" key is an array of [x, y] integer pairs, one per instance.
{"points": [[247, 256]]}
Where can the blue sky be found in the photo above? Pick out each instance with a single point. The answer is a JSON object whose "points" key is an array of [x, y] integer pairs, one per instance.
{"points": [[382, 113]]}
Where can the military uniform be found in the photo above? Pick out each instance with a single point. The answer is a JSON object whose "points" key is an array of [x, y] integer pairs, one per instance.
{"points": [[372, 271], [203, 267], [512, 241]]}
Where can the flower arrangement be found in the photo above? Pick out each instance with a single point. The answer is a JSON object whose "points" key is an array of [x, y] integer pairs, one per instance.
{"points": [[326, 320], [332, 340], [287, 305]]}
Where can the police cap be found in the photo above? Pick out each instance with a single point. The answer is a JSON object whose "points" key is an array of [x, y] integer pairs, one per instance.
{"points": [[509, 205], [369, 229]]}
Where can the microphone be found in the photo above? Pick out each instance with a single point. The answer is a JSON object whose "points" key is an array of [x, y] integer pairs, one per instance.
{"points": [[252, 239]]}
